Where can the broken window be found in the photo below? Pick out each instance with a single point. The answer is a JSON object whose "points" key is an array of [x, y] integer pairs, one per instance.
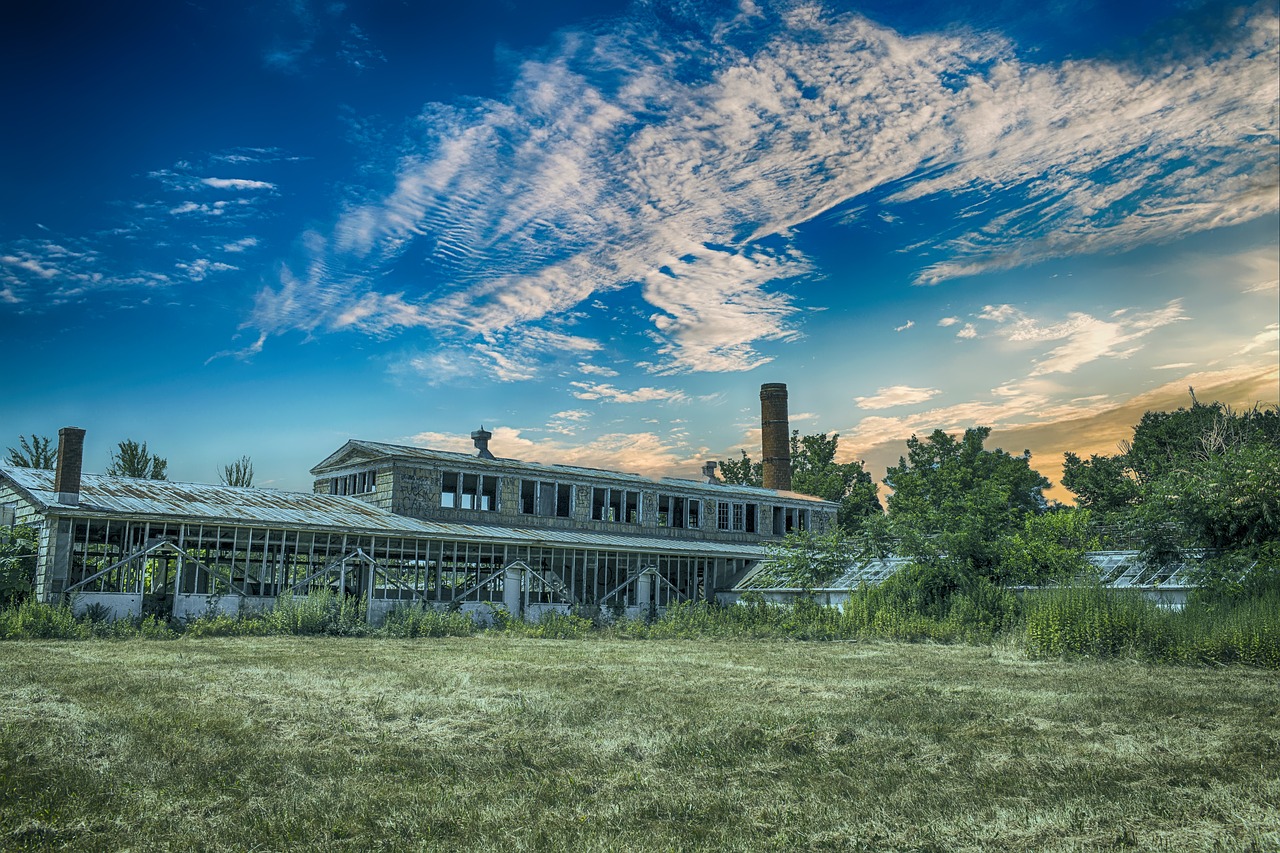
{"points": [[615, 505], [538, 497], [468, 491], [792, 519], [359, 483]]}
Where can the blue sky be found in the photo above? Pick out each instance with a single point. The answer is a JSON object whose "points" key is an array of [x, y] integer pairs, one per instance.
{"points": [[597, 228]]}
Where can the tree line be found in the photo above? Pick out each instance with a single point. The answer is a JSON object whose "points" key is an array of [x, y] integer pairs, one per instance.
{"points": [[1203, 479], [129, 459]]}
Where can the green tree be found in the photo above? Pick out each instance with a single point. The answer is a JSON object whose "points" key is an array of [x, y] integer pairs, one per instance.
{"points": [[815, 471], [133, 460], [237, 473], [1050, 546], [1224, 495], [1202, 476], [742, 472], [1103, 484], [954, 503], [17, 564], [810, 559], [40, 452]]}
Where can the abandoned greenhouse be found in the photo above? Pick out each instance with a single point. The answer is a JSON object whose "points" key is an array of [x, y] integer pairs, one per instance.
{"points": [[397, 525]]}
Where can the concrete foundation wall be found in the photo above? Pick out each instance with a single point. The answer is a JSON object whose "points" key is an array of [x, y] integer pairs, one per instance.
{"points": [[188, 606], [119, 605]]}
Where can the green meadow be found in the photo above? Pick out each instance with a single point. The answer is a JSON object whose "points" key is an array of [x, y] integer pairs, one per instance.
{"points": [[501, 741]]}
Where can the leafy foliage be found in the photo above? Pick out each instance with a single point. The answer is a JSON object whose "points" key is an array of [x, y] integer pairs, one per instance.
{"points": [[40, 452], [815, 471], [810, 559], [742, 472], [17, 563], [237, 473], [1102, 483], [954, 502], [134, 460], [1203, 476]]}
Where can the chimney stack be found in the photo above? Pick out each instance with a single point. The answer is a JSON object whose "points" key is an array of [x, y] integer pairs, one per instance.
{"points": [[775, 436], [481, 438], [709, 472], [66, 480]]}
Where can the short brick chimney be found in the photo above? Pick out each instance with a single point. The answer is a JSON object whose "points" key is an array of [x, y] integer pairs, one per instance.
{"points": [[66, 479]]}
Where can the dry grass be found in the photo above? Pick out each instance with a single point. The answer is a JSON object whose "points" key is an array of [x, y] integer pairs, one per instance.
{"points": [[499, 742]]}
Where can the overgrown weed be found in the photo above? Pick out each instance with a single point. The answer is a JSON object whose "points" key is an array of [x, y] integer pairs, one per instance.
{"points": [[1087, 621]]}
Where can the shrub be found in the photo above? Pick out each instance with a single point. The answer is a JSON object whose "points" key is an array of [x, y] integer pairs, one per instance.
{"points": [[322, 612], [417, 621], [33, 620]]}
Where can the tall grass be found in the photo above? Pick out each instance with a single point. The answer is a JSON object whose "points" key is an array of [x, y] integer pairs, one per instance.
{"points": [[1071, 621], [1097, 622]]}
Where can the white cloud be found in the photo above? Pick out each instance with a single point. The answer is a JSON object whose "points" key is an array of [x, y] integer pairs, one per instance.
{"points": [[1174, 366], [609, 165], [608, 393], [236, 184], [1086, 338], [968, 332], [896, 395], [641, 453], [199, 269], [904, 326], [242, 245], [1266, 340], [595, 369], [948, 321]]}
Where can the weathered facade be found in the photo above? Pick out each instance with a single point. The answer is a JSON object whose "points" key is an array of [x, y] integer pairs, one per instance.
{"points": [[397, 525]]}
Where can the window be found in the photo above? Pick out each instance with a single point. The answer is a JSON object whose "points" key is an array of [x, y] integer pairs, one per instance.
{"points": [[354, 484], [615, 505], [468, 491], [739, 517], [787, 519], [538, 497], [675, 511]]}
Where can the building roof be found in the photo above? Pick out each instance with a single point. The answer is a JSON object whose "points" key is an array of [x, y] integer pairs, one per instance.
{"points": [[356, 452], [202, 502], [1115, 569]]}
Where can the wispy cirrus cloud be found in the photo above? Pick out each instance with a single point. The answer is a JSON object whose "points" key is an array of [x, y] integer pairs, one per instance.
{"points": [[896, 395], [641, 453], [195, 222], [635, 157], [1085, 338], [608, 393]]}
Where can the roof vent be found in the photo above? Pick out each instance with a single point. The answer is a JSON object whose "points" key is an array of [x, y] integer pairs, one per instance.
{"points": [[481, 438]]}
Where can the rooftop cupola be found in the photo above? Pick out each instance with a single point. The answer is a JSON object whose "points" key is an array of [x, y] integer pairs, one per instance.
{"points": [[709, 472], [481, 438]]}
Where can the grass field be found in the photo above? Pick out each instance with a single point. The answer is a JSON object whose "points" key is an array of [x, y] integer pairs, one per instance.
{"points": [[511, 743]]}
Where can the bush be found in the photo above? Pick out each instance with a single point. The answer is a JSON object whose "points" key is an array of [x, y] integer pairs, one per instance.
{"points": [[417, 621], [32, 620], [1104, 623], [323, 612]]}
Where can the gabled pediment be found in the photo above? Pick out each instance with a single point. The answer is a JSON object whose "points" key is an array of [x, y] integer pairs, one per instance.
{"points": [[352, 453]]}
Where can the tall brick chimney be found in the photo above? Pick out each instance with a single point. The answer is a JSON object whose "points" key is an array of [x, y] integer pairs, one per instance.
{"points": [[775, 436], [66, 479]]}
